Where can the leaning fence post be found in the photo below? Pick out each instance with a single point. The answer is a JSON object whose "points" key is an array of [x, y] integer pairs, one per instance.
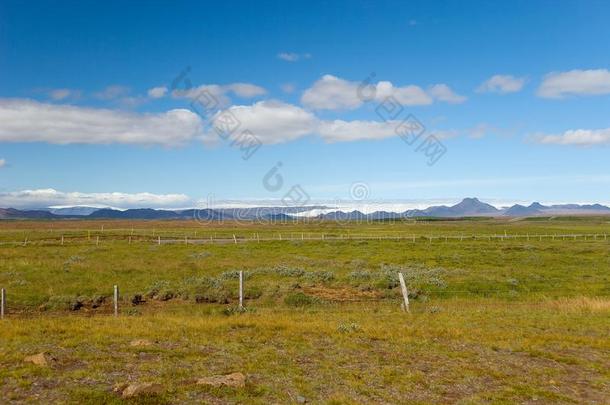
{"points": [[241, 289], [2, 302], [234, 239], [405, 294], [116, 300]]}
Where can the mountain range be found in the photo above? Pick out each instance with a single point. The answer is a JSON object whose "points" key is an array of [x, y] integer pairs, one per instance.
{"points": [[468, 207]]}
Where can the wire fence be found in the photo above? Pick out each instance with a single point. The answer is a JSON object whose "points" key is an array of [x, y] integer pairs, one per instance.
{"points": [[186, 239]]}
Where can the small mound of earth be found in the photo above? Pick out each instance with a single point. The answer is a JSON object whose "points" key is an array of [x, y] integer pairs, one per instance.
{"points": [[137, 389], [41, 359], [140, 343], [236, 380]]}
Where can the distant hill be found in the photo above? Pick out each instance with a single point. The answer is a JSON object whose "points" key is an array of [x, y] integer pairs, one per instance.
{"points": [[519, 210], [140, 213], [468, 207], [11, 213], [79, 210]]}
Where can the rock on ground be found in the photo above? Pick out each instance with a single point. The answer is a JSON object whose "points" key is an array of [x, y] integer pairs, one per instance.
{"points": [[136, 389], [40, 359], [237, 380], [141, 343]]}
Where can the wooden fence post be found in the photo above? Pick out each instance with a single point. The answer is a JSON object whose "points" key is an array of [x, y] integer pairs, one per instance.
{"points": [[234, 239], [2, 302], [62, 239], [241, 289], [97, 241], [159, 240], [116, 300], [405, 293]]}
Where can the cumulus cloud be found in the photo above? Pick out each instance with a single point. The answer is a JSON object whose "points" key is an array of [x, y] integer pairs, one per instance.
{"points": [[288, 88], [273, 122], [343, 131], [577, 137], [112, 92], [406, 95], [575, 83], [502, 84], [245, 90], [41, 198], [333, 93], [442, 92], [63, 94], [32, 121], [157, 92], [2, 163], [220, 93], [293, 57]]}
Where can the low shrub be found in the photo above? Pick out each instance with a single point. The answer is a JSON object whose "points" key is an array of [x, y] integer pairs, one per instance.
{"points": [[161, 290], [320, 276], [348, 327], [300, 299]]}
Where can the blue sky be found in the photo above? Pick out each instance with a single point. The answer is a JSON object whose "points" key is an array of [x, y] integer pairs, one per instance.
{"points": [[517, 94]]}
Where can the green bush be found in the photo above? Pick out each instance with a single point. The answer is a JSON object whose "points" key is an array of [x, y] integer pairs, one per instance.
{"points": [[206, 289], [300, 299], [357, 277], [161, 290], [320, 276]]}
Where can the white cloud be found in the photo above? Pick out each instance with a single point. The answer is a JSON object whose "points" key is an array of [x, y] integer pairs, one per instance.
{"points": [[112, 92], [274, 122], [342, 131], [246, 90], [31, 121], [42, 198], [271, 121], [63, 94], [288, 88], [442, 92], [2, 163], [502, 84], [220, 92], [157, 92], [575, 83], [406, 95], [577, 137], [333, 93], [293, 57]]}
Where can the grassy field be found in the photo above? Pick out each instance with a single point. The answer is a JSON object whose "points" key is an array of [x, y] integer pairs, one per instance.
{"points": [[520, 318]]}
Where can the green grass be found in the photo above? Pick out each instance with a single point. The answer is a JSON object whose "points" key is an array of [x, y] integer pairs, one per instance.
{"points": [[491, 321]]}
